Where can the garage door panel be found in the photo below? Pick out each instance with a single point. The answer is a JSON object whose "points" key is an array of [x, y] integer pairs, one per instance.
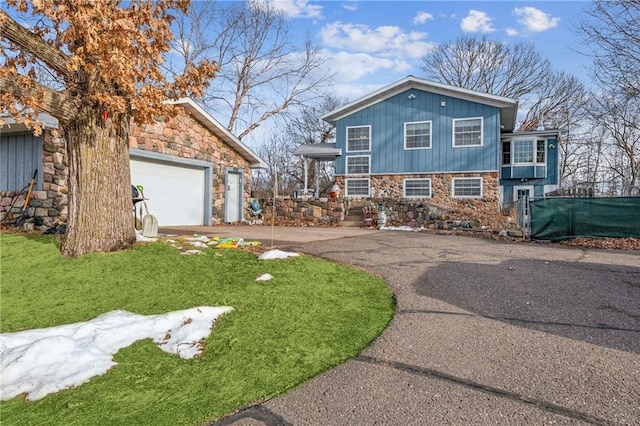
{"points": [[175, 193]]}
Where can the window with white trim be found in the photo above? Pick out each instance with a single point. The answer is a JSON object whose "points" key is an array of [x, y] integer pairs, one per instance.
{"points": [[540, 151], [358, 138], [358, 164], [417, 188], [524, 151], [356, 187], [467, 187], [467, 132], [417, 135]]}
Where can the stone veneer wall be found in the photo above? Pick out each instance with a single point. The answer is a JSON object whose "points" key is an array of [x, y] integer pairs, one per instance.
{"points": [[414, 212], [180, 136], [185, 137], [49, 203]]}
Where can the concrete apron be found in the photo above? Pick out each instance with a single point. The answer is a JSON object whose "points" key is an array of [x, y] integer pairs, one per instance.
{"points": [[280, 235], [440, 364]]}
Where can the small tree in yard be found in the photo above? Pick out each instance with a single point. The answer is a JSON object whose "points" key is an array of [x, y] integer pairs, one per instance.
{"points": [[93, 64]]}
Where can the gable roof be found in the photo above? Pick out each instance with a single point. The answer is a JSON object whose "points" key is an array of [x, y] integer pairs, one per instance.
{"points": [[508, 107], [219, 130]]}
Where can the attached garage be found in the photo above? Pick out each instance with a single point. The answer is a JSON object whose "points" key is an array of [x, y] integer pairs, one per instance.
{"points": [[177, 189], [192, 169]]}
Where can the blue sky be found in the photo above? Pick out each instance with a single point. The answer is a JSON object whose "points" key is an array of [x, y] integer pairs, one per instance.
{"points": [[374, 43]]}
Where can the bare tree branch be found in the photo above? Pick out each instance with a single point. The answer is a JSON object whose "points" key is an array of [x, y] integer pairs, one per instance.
{"points": [[33, 44], [50, 101], [488, 66], [264, 71]]}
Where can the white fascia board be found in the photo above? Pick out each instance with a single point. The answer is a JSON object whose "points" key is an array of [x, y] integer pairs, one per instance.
{"points": [[219, 130], [533, 133]]}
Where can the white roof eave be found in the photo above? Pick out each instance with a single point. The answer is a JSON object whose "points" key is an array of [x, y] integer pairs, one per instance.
{"points": [[508, 107]]}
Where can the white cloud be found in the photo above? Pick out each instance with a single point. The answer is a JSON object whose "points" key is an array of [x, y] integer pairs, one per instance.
{"points": [[534, 19], [422, 17], [351, 7], [353, 66], [384, 40], [298, 8], [511, 32], [476, 21]]}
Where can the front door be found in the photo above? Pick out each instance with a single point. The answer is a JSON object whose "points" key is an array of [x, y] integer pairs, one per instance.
{"points": [[521, 196], [233, 197]]}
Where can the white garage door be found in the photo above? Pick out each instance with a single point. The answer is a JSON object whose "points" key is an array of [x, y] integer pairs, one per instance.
{"points": [[175, 193]]}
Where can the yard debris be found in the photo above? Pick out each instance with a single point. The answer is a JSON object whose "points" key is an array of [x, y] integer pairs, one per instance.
{"points": [[264, 277], [194, 251], [203, 242], [276, 254]]}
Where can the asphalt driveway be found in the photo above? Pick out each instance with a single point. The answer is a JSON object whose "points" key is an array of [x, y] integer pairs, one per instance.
{"points": [[485, 332]]}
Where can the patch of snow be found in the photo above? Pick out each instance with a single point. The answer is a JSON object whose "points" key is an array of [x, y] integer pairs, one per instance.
{"points": [[276, 254], [43, 361], [397, 228], [264, 277], [142, 238]]}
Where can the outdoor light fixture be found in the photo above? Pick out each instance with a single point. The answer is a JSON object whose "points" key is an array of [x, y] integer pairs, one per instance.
{"points": [[443, 103], [220, 166], [411, 96]]}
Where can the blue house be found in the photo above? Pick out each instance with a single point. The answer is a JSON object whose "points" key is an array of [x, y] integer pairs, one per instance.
{"points": [[417, 139]]}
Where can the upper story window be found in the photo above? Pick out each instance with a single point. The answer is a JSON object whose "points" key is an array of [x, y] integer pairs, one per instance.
{"points": [[467, 132], [358, 164], [524, 151], [359, 138], [417, 135], [540, 151]]}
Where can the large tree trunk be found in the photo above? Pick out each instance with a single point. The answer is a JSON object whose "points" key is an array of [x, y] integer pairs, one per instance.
{"points": [[100, 205]]}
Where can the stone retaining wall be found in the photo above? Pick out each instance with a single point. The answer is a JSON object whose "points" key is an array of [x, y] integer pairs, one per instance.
{"points": [[305, 211], [439, 211]]}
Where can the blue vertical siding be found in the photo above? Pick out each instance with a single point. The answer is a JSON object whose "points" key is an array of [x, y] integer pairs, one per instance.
{"points": [[20, 156], [387, 119]]}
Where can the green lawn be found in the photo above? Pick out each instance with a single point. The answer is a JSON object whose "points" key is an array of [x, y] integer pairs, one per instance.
{"points": [[312, 316]]}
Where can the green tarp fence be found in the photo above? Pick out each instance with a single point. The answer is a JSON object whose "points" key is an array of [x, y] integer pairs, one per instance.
{"points": [[564, 218]]}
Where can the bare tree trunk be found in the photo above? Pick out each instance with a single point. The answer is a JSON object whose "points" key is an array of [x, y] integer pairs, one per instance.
{"points": [[100, 205]]}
